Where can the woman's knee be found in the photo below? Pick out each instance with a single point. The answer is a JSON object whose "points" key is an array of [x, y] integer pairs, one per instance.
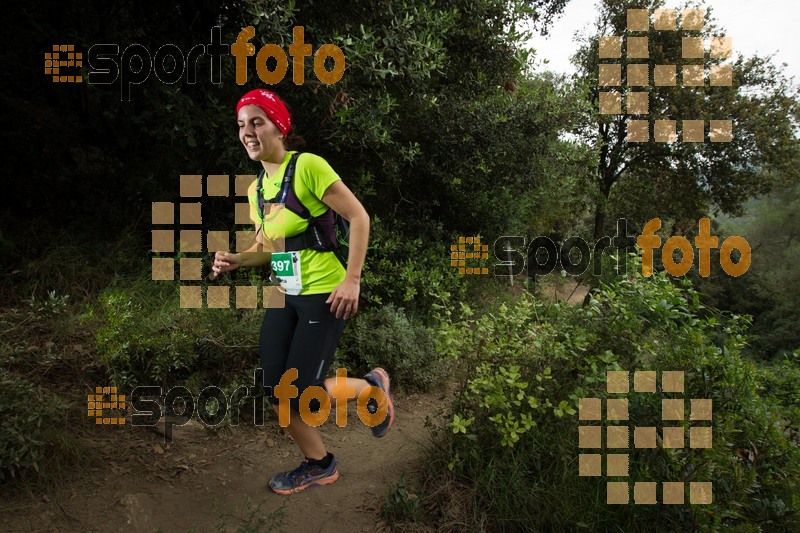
{"points": [[309, 398]]}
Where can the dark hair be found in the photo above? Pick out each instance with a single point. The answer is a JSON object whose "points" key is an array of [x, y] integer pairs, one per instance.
{"points": [[293, 141]]}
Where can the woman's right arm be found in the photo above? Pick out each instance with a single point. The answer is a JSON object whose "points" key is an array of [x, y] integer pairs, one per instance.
{"points": [[256, 255]]}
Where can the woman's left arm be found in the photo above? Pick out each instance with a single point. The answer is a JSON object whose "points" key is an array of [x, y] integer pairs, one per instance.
{"points": [[344, 298]]}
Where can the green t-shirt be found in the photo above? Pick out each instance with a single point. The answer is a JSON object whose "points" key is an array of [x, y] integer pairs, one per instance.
{"points": [[320, 272]]}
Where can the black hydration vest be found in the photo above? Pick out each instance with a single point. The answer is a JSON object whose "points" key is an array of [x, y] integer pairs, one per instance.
{"points": [[328, 232]]}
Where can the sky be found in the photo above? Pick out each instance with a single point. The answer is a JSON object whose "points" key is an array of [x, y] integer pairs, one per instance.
{"points": [[763, 27]]}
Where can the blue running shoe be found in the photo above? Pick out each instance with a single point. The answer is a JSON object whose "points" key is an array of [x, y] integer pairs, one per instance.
{"points": [[304, 477], [380, 378]]}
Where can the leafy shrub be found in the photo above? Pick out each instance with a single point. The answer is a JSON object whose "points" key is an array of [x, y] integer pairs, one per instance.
{"points": [[39, 324], [402, 502], [144, 337], [408, 273], [608, 267], [781, 383], [511, 440], [34, 437], [135, 345], [387, 337]]}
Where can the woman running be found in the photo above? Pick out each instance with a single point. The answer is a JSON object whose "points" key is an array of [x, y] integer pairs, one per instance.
{"points": [[320, 293]]}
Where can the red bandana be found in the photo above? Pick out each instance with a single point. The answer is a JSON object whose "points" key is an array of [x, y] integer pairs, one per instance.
{"points": [[271, 104]]}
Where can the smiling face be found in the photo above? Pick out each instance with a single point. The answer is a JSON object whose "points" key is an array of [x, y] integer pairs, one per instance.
{"points": [[260, 137]]}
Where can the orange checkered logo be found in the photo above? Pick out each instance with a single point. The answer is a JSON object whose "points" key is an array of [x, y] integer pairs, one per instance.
{"points": [[469, 248], [63, 57], [192, 241], [618, 437], [635, 89], [106, 398]]}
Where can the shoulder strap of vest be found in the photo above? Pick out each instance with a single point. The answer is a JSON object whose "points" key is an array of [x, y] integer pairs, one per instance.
{"points": [[283, 192], [320, 233], [289, 197]]}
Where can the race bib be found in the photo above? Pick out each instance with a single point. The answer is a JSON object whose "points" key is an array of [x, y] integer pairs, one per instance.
{"points": [[286, 269]]}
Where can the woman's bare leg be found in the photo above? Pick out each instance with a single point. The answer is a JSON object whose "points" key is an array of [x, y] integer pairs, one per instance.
{"points": [[355, 384], [308, 438]]}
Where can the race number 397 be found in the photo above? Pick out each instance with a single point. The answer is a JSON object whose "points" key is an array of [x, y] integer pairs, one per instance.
{"points": [[282, 264]]}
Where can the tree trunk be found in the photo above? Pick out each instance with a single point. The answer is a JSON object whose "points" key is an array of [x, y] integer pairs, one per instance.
{"points": [[599, 218], [600, 208]]}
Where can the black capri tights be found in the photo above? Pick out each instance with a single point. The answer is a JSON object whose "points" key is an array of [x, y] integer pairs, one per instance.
{"points": [[301, 335]]}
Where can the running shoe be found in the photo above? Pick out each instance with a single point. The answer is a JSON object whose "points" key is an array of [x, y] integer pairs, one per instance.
{"points": [[380, 378], [304, 477]]}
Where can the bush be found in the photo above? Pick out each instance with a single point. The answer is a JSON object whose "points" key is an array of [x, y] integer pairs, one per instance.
{"points": [[33, 332], [34, 434], [387, 337], [408, 273], [509, 450], [143, 337], [781, 383], [68, 263]]}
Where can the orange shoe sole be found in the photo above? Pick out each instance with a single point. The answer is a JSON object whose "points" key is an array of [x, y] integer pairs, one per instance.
{"points": [[315, 483], [390, 410]]}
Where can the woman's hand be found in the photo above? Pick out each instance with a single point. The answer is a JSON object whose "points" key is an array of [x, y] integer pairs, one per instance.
{"points": [[225, 262], [344, 298]]}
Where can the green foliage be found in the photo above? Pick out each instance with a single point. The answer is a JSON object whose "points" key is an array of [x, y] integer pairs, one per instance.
{"points": [[402, 503], [50, 307], [681, 180], [387, 337], [781, 382], [34, 431], [611, 266], [432, 94], [511, 439], [42, 335], [144, 337], [768, 290], [489, 162], [409, 272], [134, 346]]}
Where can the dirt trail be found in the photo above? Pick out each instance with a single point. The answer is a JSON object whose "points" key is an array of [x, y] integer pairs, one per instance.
{"points": [[571, 292], [556, 289], [205, 481]]}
